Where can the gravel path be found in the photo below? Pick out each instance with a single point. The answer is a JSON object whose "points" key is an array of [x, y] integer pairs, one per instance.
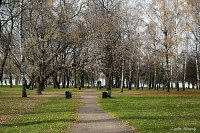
{"points": [[95, 120]]}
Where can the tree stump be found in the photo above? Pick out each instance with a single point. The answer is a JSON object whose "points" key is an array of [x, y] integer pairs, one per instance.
{"points": [[24, 94], [68, 95], [104, 94]]}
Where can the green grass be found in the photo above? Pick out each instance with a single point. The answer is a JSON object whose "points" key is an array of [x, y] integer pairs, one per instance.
{"points": [[152, 91], [155, 113], [50, 112]]}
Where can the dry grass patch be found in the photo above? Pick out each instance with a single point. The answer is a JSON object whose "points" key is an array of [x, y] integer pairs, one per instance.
{"points": [[49, 112], [12, 105]]}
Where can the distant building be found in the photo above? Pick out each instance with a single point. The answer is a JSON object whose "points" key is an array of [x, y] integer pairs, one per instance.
{"points": [[6, 80]]}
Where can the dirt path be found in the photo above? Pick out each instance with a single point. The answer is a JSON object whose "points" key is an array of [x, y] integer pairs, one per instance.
{"points": [[95, 120]]}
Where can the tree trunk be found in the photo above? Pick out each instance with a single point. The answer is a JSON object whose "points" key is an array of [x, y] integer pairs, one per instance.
{"points": [[155, 76], [68, 79], [108, 86], [138, 75], [171, 79], [111, 81], [152, 82], [55, 81], [126, 79], [59, 81], [189, 85], [183, 81], [64, 80], [93, 84], [135, 83], [24, 94], [117, 82], [167, 73], [142, 85], [75, 65], [41, 87], [149, 74], [184, 71], [150, 78], [10, 80], [2, 65], [192, 85], [130, 83], [124, 83], [177, 85], [130, 79], [16, 80], [172, 86], [75, 84], [177, 82], [122, 78], [163, 85], [82, 79], [197, 67]]}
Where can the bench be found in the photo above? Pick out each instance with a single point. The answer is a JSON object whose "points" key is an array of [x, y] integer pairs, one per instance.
{"points": [[106, 94]]}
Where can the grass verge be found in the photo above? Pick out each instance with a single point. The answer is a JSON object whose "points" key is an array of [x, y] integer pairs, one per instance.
{"points": [[50, 112], [155, 113]]}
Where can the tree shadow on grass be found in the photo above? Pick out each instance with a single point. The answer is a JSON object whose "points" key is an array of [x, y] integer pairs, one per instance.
{"points": [[112, 97], [39, 112], [159, 120], [36, 122], [97, 121], [156, 117], [45, 112]]}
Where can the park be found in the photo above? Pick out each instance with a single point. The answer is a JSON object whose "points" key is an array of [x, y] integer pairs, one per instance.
{"points": [[143, 110], [99, 66]]}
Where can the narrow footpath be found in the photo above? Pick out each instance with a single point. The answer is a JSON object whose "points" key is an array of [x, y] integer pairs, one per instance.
{"points": [[93, 119]]}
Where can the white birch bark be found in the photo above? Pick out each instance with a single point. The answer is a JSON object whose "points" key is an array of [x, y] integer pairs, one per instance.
{"points": [[197, 66]]}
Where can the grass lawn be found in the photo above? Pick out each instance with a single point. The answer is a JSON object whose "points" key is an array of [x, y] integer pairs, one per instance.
{"points": [[152, 111], [49, 112]]}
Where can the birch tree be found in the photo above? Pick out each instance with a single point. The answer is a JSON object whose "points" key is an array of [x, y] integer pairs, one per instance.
{"points": [[195, 12]]}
